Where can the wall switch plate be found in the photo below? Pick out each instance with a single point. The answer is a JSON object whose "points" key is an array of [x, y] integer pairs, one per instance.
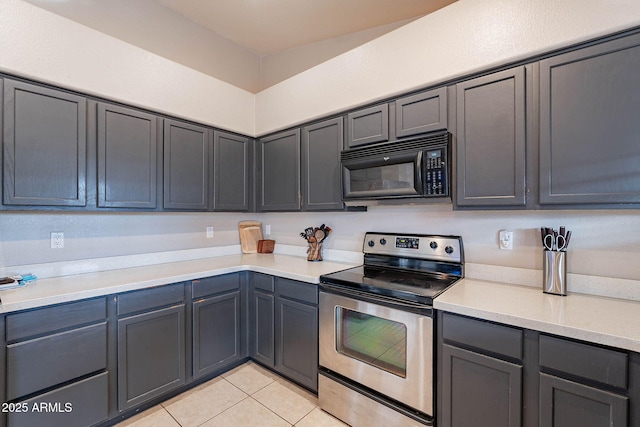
{"points": [[267, 229], [209, 232], [506, 240], [57, 240]]}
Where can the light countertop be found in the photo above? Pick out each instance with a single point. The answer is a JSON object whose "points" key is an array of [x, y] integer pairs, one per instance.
{"points": [[71, 288], [597, 319], [606, 321]]}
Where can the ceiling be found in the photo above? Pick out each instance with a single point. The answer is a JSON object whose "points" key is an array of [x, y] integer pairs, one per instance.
{"points": [[251, 44], [269, 26]]}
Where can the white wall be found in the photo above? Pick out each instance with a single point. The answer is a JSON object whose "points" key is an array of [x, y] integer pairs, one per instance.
{"points": [[459, 39], [38, 44]]}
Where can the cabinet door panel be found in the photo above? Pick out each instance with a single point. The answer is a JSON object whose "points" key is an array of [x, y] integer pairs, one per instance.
{"points": [[491, 140], [297, 342], [232, 179], [186, 166], [127, 148], [420, 113], [151, 355], [480, 391], [279, 168], [263, 329], [321, 147], [589, 125], [368, 126], [45, 146], [565, 403], [216, 333]]}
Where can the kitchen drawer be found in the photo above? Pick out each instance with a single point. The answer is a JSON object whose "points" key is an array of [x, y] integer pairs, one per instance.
{"points": [[47, 361], [151, 298], [490, 337], [215, 285], [55, 318], [262, 281], [83, 403], [585, 361], [301, 291]]}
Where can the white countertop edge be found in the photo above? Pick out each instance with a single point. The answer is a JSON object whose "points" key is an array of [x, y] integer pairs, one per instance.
{"points": [[595, 319], [58, 290]]}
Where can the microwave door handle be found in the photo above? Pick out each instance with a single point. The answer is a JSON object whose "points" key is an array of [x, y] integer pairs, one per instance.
{"points": [[418, 173]]}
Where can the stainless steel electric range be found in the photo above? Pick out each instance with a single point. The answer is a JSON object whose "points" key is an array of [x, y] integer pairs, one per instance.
{"points": [[376, 329]]}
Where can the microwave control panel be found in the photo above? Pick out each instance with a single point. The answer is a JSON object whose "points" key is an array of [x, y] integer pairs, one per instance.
{"points": [[435, 165]]}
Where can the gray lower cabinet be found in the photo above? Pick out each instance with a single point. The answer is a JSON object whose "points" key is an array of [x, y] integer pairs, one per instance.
{"points": [[589, 127], [491, 140], [321, 172], [217, 323], [232, 164], [151, 344], [127, 157], [56, 365], [582, 385], [284, 327], [262, 318], [278, 172], [482, 374], [187, 161], [296, 339], [497, 375], [45, 146]]}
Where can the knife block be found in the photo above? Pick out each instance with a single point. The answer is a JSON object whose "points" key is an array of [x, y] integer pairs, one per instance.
{"points": [[554, 273]]}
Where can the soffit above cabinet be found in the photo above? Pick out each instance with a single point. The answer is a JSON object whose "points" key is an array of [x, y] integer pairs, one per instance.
{"points": [[243, 42]]}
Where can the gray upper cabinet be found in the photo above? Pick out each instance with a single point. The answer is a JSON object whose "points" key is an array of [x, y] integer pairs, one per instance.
{"points": [[321, 173], [186, 166], [45, 146], [491, 140], [368, 126], [421, 113], [232, 188], [278, 170], [127, 147], [589, 127]]}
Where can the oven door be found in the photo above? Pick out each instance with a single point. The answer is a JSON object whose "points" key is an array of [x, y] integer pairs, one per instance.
{"points": [[386, 349], [380, 176]]}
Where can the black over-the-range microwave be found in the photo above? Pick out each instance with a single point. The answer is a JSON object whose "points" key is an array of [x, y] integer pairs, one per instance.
{"points": [[416, 169]]}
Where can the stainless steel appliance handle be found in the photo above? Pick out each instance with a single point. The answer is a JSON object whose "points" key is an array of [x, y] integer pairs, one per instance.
{"points": [[378, 299]]}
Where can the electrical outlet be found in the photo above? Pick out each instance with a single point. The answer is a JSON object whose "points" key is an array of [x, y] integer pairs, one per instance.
{"points": [[267, 229], [57, 240], [209, 232], [506, 240]]}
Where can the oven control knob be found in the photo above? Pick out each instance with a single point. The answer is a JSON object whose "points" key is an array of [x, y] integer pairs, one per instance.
{"points": [[371, 243], [448, 250], [433, 245], [383, 241]]}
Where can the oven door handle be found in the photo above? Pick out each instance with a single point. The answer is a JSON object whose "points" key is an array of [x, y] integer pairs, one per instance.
{"points": [[378, 299]]}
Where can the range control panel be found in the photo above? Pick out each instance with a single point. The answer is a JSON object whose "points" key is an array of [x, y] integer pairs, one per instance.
{"points": [[423, 246]]}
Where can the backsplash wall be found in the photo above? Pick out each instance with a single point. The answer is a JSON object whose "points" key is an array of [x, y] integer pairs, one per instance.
{"points": [[604, 242]]}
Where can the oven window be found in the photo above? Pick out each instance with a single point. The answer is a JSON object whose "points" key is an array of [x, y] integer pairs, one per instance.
{"points": [[388, 177], [374, 340]]}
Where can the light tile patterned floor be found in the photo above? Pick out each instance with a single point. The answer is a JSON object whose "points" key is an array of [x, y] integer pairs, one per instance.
{"points": [[248, 395]]}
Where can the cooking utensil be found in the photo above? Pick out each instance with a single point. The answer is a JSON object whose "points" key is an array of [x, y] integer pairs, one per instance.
{"points": [[553, 240]]}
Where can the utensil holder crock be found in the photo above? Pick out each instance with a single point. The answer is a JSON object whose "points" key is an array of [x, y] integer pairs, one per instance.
{"points": [[554, 273], [314, 251]]}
